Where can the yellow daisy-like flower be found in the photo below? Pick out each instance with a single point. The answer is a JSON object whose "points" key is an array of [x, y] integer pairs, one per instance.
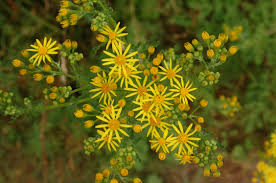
{"points": [[155, 122], [43, 51], [141, 90], [183, 138], [161, 142], [185, 157], [113, 124], [130, 74], [170, 73], [113, 35], [121, 61], [145, 109], [107, 107], [160, 98], [105, 87], [105, 139], [183, 91]]}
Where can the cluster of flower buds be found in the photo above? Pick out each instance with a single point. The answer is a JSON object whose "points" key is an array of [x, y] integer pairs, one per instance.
{"points": [[68, 50], [89, 145], [57, 94], [234, 34], [208, 78], [229, 106]]}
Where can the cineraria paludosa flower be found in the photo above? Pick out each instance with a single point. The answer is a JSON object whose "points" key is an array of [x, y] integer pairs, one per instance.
{"points": [[183, 138], [161, 142], [113, 35], [145, 109], [43, 51], [105, 139], [170, 73], [185, 157], [183, 91]]}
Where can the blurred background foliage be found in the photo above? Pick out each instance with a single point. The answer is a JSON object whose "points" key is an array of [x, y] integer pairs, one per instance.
{"points": [[50, 145]]}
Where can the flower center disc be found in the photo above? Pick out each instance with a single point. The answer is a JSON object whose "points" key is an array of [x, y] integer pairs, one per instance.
{"points": [[42, 50], [120, 60], [112, 35], [159, 99], [142, 90], [183, 138], [106, 88], [146, 106], [155, 122], [114, 124], [162, 141], [170, 73], [184, 91]]}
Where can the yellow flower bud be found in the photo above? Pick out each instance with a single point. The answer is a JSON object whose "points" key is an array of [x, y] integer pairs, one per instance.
{"points": [[137, 128], [217, 43], [106, 173], [223, 58], [53, 96], [79, 113], [130, 113], [17, 63], [74, 44], [203, 103], [22, 72], [188, 46], [113, 181], [122, 102], [200, 120], [151, 50], [206, 172], [37, 77], [95, 69], [124, 172], [142, 56], [50, 79], [156, 61], [137, 180], [87, 107], [210, 53], [101, 38], [205, 35], [198, 128], [233, 50], [25, 53], [61, 100], [213, 167], [88, 124], [162, 156], [154, 70], [67, 43], [99, 177], [46, 67], [94, 28]]}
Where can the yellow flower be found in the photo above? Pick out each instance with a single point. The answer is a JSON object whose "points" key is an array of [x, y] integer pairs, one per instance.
{"points": [[107, 107], [155, 121], [137, 128], [151, 49], [124, 172], [183, 139], [130, 74], [50, 79], [38, 77], [213, 167], [113, 181], [145, 109], [183, 91], [113, 124], [113, 35], [106, 172], [107, 139], [67, 43], [22, 72], [217, 43], [161, 142], [185, 157], [79, 113], [88, 124], [17, 63], [46, 68], [188, 46], [223, 58], [203, 103], [162, 156], [121, 60], [170, 73], [95, 69], [87, 107], [105, 87], [74, 44], [159, 99], [141, 90], [43, 51], [137, 180], [200, 120], [99, 177], [210, 53], [233, 50], [101, 38], [205, 35]]}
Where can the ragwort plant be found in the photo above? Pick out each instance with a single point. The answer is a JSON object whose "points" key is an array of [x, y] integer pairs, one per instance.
{"points": [[134, 93]]}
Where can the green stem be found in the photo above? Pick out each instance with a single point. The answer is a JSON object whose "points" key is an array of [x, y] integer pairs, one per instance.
{"points": [[195, 110], [65, 104], [79, 89]]}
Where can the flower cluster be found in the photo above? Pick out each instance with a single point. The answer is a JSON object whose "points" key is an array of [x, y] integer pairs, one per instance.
{"points": [[57, 94], [71, 11], [229, 105], [119, 167], [234, 34], [266, 169]]}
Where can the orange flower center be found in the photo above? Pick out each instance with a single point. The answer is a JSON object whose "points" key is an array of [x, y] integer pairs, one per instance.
{"points": [[112, 35], [186, 158], [171, 74], [42, 50], [146, 106], [108, 109], [120, 60], [159, 99], [106, 138], [114, 124], [184, 91], [156, 121], [183, 138], [106, 88], [142, 90], [162, 141]]}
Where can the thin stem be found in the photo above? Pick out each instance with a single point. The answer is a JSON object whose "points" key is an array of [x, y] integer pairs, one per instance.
{"points": [[65, 104], [79, 89], [195, 110]]}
